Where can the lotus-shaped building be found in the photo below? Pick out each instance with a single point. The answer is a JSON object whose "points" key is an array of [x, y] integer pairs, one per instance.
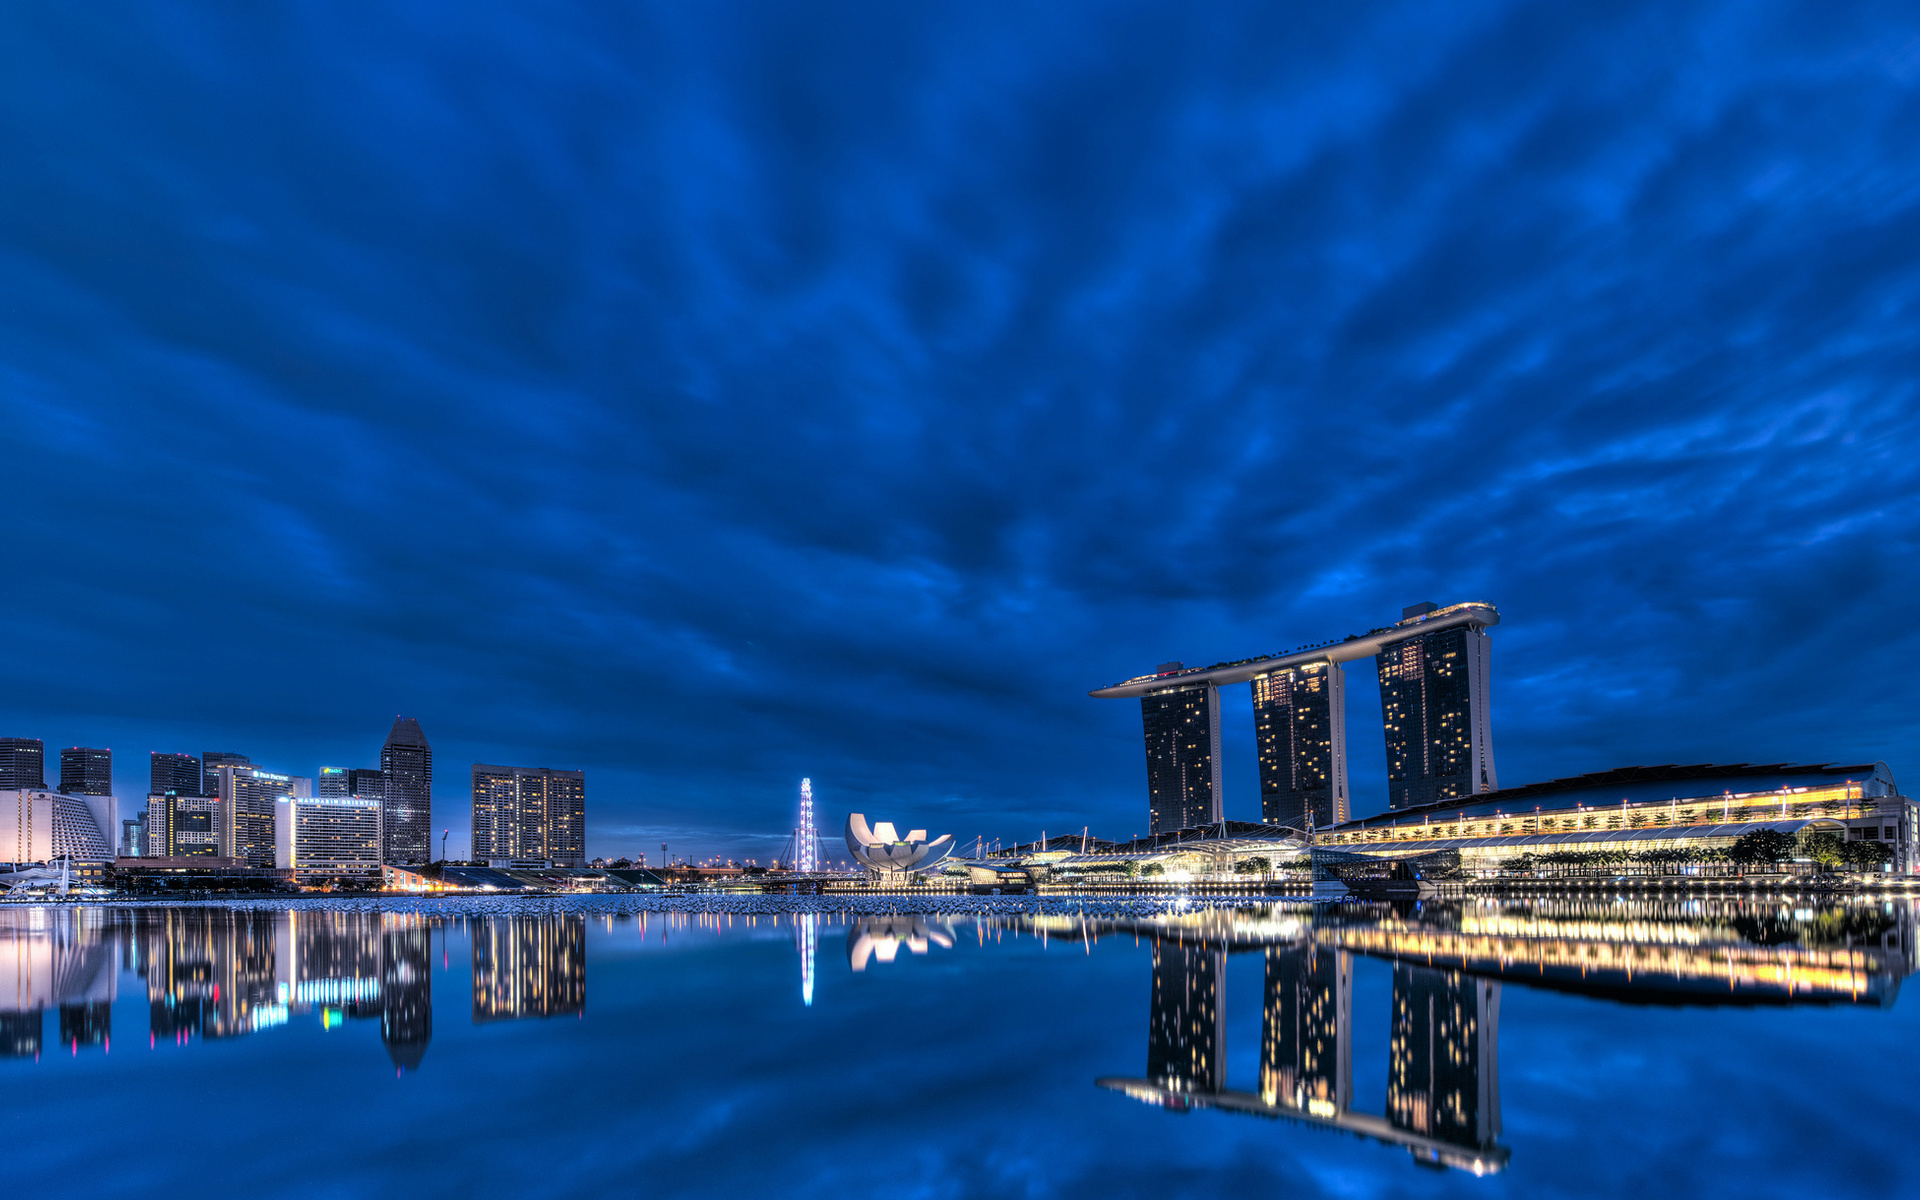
{"points": [[883, 849]]}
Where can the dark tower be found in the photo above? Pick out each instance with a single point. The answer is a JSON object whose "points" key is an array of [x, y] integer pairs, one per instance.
{"points": [[86, 771], [1186, 1026], [1182, 727], [210, 764], [407, 762], [23, 763], [1433, 702], [176, 773], [1300, 726], [1443, 1077], [1306, 1059]]}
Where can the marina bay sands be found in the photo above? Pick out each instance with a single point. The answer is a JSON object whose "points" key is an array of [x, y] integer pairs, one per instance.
{"points": [[1434, 669]]}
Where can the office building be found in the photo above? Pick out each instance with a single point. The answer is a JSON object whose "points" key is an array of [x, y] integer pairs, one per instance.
{"points": [[529, 816], [133, 836], [1300, 729], [213, 760], [332, 782], [407, 762], [1443, 1066], [37, 825], [176, 773], [327, 837], [23, 763], [244, 818], [183, 826], [1433, 704], [86, 771], [368, 783], [1182, 726]]}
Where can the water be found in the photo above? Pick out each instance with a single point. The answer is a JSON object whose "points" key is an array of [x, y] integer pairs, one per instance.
{"points": [[1577, 1047]]}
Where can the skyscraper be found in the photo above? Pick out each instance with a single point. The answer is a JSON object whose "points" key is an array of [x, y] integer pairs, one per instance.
{"points": [[176, 773], [1300, 726], [213, 760], [23, 763], [86, 771], [1434, 705], [529, 814], [368, 783], [1182, 726], [407, 762], [244, 819], [332, 783]]}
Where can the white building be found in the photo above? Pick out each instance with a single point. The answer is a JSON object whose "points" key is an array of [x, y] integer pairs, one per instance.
{"points": [[327, 837], [37, 825]]}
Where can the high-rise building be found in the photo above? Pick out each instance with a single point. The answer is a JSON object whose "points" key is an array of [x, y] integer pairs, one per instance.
{"points": [[407, 762], [182, 826], [176, 773], [133, 836], [1300, 727], [37, 825], [248, 800], [1434, 705], [406, 991], [332, 782], [1186, 1029], [1443, 1070], [23, 763], [1306, 1059], [327, 837], [86, 771], [1182, 727], [211, 762], [529, 815], [368, 783]]}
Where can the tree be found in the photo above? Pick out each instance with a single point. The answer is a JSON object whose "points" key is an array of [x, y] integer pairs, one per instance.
{"points": [[1827, 849], [1762, 846], [1153, 869], [1865, 856], [1256, 865]]}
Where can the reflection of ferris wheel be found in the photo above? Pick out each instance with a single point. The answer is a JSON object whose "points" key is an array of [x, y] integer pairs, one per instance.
{"points": [[802, 850]]}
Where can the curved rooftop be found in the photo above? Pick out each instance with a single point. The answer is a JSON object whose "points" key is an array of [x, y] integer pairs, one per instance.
{"points": [[1353, 646]]}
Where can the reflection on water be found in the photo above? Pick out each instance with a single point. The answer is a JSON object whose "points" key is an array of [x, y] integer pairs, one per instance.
{"points": [[218, 974]]}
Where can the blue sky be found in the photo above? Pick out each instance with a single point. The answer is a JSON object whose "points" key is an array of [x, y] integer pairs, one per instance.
{"points": [[712, 395]]}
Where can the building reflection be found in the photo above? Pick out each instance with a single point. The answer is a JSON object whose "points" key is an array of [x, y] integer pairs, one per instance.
{"points": [[1306, 1059], [406, 991], [1186, 1038], [881, 937], [529, 966], [62, 959]]}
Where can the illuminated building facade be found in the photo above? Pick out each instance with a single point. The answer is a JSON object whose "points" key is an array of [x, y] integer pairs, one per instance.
{"points": [[407, 763], [1300, 727], [37, 825], [213, 760], [1636, 809], [1186, 1030], [332, 781], [23, 764], [248, 799], [1182, 727], [1443, 1069], [1306, 1059], [1433, 706], [327, 837], [176, 773], [535, 816], [532, 966], [183, 826], [86, 771], [368, 783], [1434, 703]]}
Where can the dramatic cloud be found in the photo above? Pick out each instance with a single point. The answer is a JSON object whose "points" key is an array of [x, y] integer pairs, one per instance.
{"points": [[711, 395]]}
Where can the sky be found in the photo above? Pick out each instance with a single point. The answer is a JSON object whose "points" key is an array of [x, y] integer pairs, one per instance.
{"points": [[711, 396]]}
